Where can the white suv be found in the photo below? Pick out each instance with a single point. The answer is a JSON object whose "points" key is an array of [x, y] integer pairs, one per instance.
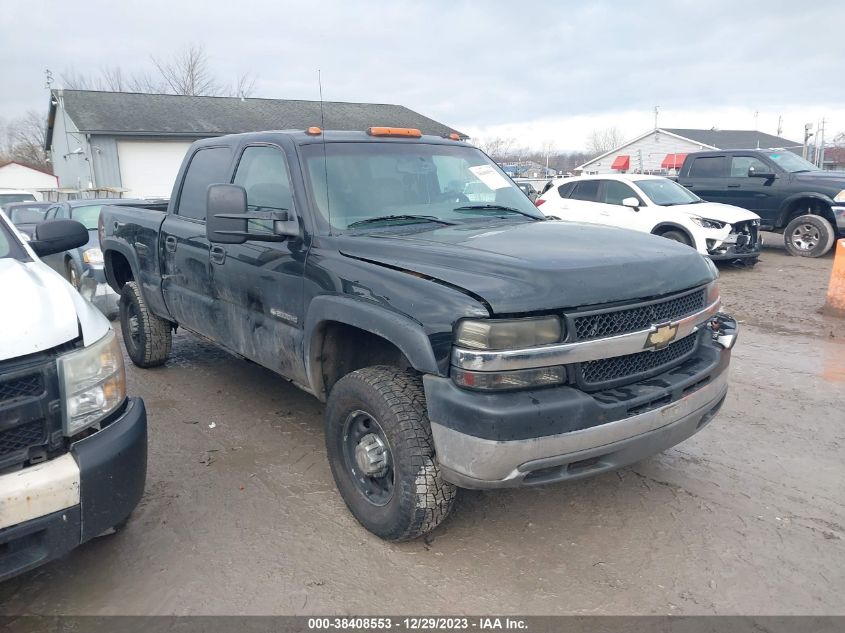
{"points": [[653, 204]]}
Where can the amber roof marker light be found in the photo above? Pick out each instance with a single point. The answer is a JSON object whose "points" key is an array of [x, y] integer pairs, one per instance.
{"points": [[408, 132]]}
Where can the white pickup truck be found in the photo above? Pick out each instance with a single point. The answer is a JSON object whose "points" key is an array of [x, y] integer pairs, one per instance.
{"points": [[73, 447]]}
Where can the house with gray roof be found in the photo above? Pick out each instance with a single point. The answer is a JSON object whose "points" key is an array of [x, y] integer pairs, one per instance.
{"points": [[134, 142], [662, 151]]}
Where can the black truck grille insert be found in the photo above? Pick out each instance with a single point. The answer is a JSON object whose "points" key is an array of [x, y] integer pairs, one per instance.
{"points": [[21, 437], [613, 323], [607, 370], [22, 387]]}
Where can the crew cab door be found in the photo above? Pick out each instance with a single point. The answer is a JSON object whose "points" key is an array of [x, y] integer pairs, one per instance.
{"points": [[707, 177], [258, 284], [184, 249], [755, 194]]}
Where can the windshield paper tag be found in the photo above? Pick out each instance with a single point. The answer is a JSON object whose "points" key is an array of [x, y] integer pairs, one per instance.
{"points": [[489, 176]]}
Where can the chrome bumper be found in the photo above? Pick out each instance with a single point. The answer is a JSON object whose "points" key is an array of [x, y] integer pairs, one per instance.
{"points": [[472, 462]]}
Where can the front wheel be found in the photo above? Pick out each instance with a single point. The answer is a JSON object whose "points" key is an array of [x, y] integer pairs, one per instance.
{"points": [[72, 273], [808, 236], [676, 236], [380, 449]]}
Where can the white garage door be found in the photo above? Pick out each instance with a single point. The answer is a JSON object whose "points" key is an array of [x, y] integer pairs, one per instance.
{"points": [[148, 168]]}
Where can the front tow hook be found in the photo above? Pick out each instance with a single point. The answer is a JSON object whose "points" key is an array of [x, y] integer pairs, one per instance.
{"points": [[725, 330]]}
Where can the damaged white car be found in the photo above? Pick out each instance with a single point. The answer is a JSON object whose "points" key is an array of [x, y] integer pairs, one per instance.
{"points": [[653, 204]]}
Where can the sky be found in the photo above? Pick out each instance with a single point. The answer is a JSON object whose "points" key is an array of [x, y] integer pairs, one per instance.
{"points": [[535, 71]]}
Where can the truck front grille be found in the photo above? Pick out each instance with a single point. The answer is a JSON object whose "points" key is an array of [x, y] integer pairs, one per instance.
{"points": [[600, 374], [22, 387], [30, 410], [621, 321], [22, 437]]}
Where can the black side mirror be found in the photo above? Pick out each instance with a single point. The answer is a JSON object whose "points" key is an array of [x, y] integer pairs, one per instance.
{"points": [[226, 220], [760, 172], [228, 216], [56, 236]]}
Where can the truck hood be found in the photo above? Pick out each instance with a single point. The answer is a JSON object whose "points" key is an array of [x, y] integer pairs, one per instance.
{"points": [[44, 310], [830, 179], [539, 265], [717, 211]]}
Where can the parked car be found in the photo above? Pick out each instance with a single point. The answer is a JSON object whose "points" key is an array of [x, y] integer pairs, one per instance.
{"points": [[8, 196], [657, 205], [26, 215], [791, 195], [528, 189], [73, 447], [83, 266], [455, 343]]}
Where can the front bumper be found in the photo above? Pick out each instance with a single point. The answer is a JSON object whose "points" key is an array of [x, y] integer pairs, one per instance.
{"points": [[110, 472], [546, 435], [839, 216]]}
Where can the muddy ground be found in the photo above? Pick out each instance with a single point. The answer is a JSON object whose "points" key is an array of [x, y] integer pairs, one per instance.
{"points": [[241, 515]]}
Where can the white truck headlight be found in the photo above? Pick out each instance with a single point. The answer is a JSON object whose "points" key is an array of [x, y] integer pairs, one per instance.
{"points": [[839, 197], [93, 383], [93, 256], [508, 333]]}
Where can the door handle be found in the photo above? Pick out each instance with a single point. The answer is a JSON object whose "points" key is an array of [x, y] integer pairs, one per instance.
{"points": [[170, 243], [217, 254], [734, 186]]}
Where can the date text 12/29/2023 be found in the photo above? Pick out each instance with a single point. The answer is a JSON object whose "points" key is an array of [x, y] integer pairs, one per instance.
{"points": [[416, 624]]}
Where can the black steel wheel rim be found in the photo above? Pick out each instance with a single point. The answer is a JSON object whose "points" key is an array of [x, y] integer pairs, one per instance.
{"points": [[363, 434]]}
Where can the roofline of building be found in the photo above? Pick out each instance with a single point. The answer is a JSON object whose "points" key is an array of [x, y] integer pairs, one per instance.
{"points": [[639, 138], [5, 163]]}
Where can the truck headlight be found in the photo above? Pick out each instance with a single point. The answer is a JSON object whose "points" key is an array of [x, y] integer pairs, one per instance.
{"points": [[93, 383], [508, 333], [707, 224], [839, 197], [93, 256]]}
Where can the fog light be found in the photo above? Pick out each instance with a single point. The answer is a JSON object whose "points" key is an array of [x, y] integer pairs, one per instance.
{"points": [[507, 380]]}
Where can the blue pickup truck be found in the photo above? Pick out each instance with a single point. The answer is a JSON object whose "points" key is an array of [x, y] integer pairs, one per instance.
{"points": [[791, 195]]}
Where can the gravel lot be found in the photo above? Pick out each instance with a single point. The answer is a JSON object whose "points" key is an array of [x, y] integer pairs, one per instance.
{"points": [[241, 515]]}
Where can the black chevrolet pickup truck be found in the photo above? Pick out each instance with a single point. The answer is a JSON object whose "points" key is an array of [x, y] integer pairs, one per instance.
{"points": [[458, 340], [789, 194]]}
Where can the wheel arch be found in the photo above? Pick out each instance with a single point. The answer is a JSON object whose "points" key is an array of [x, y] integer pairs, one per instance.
{"points": [[791, 207], [381, 336], [662, 227]]}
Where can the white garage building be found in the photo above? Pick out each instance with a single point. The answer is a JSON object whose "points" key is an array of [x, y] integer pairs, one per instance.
{"points": [[662, 151], [134, 143], [14, 175]]}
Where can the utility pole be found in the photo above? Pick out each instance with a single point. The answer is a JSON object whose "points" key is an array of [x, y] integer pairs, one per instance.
{"points": [[780, 124], [820, 140], [807, 135], [756, 119], [656, 111]]}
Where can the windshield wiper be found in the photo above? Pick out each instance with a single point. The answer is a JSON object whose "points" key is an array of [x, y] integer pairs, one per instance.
{"points": [[388, 218], [493, 207]]}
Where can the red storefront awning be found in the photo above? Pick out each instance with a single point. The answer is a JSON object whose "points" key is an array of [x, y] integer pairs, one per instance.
{"points": [[673, 161], [621, 163]]}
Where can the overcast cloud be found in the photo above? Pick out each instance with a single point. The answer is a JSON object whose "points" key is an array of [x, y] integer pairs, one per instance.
{"points": [[535, 70]]}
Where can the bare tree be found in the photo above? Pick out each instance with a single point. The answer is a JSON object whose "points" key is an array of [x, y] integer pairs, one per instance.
{"points": [[22, 140], [497, 148], [604, 140], [188, 72]]}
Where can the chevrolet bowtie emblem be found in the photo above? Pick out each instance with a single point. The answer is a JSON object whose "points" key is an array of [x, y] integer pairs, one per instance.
{"points": [[661, 336]]}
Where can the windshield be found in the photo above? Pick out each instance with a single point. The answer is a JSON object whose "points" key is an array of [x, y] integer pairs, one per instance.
{"points": [[10, 246], [791, 162], [8, 198], [384, 183], [665, 192], [27, 215], [89, 216]]}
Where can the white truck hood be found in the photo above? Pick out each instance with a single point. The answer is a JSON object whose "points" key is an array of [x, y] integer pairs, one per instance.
{"points": [[717, 211], [41, 310]]}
